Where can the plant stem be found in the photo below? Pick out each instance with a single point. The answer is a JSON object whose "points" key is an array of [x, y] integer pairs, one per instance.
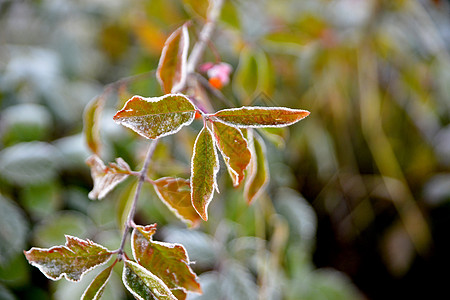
{"points": [[194, 58], [141, 179], [205, 34]]}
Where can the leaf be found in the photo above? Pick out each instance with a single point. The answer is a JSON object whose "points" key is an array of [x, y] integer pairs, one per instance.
{"points": [[156, 117], [106, 178], [237, 282], [168, 261], [258, 176], [175, 193], [253, 75], [234, 149], [72, 260], [204, 167], [91, 119], [276, 135], [171, 72], [143, 284], [179, 294], [300, 216], [96, 288], [254, 117], [13, 230], [29, 163], [199, 245]]}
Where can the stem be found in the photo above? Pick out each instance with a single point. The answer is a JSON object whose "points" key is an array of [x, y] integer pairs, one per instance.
{"points": [[205, 34], [194, 58], [141, 179]]}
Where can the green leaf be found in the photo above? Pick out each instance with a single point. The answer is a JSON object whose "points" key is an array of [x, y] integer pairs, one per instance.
{"points": [[258, 174], [97, 287], [234, 149], [175, 193], [91, 119], [237, 282], [29, 163], [143, 284], [106, 178], [168, 261], [13, 230], [276, 135], [72, 260], [204, 167], [171, 72], [156, 117], [254, 117], [253, 75]]}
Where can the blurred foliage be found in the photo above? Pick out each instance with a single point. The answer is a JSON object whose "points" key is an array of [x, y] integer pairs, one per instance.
{"points": [[369, 169]]}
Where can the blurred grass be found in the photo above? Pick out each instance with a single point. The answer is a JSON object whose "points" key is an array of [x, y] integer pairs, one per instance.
{"points": [[373, 158]]}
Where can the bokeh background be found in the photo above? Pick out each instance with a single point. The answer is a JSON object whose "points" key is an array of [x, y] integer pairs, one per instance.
{"points": [[358, 203]]}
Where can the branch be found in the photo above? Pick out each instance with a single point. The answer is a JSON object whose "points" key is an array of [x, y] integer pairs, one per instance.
{"points": [[142, 178], [194, 58], [205, 34]]}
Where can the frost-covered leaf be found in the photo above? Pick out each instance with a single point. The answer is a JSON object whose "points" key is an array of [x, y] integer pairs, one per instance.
{"points": [[72, 260], [143, 284], [96, 288], [91, 119], [237, 282], [300, 215], [258, 172], [175, 193], [168, 261], [156, 117], [13, 230], [171, 72], [106, 178], [29, 163], [204, 167], [254, 117], [234, 149]]}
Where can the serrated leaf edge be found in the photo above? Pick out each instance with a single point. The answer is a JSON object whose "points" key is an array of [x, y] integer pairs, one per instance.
{"points": [[218, 118], [65, 245], [155, 100], [169, 245], [119, 163], [215, 171]]}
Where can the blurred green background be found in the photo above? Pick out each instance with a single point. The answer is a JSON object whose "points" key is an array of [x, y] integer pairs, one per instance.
{"points": [[358, 203]]}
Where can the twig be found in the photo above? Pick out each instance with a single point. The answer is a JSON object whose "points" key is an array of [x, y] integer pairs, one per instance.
{"points": [[205, 34], [194, 58], [142, 177]]}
